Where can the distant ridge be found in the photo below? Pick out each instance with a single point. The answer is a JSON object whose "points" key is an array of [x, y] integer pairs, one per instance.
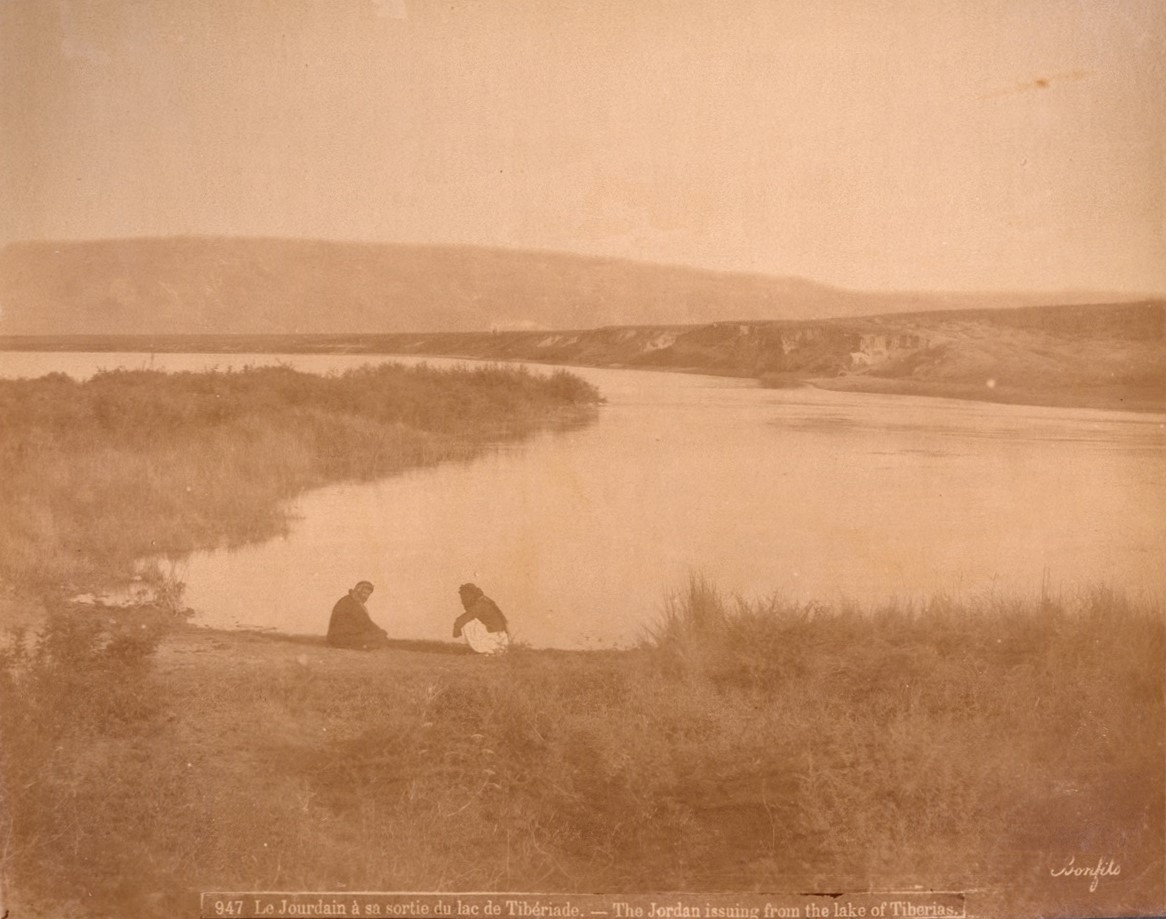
{"points": [[210, 285]]}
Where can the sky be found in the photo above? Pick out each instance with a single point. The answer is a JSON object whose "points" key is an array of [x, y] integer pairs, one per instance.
{"points": [[870, 144]]}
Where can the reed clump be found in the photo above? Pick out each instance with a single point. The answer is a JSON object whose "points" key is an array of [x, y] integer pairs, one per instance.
{"points": [[948, 742], [95, 475]]}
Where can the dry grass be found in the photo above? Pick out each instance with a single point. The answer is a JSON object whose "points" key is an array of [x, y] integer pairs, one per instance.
{"points": [[749, 746]]}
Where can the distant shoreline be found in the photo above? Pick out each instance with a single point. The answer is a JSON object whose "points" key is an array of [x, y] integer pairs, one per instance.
{"points": [[1109, 358], [1117, 399]]}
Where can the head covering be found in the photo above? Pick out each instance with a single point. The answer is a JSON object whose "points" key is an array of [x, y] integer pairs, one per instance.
{"points": [[470, 594], [360, 584]]}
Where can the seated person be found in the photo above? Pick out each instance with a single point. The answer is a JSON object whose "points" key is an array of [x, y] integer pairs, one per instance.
{"points": [[482, 622], [351, 626]]}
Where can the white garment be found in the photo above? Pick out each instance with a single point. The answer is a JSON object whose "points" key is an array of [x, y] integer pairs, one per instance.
{"points": [[484, 641]]}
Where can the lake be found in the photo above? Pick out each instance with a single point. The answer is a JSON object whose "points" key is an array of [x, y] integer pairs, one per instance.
{"points": [[579, 535]]}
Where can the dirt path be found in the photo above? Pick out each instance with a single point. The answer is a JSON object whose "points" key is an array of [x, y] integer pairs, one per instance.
{"points": [[204, 653]]}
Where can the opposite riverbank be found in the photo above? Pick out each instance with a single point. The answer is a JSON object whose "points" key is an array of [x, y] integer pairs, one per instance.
{"points": [[1105, 356]]}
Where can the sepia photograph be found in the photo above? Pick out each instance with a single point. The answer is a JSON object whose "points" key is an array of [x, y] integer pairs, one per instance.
{"points": [[639, 459]]}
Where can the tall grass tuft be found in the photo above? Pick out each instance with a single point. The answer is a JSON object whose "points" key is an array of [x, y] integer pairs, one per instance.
{"points": [[950, 743]]}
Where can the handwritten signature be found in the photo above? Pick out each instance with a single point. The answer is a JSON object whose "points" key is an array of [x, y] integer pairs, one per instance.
{"points": [[1105, 867]]}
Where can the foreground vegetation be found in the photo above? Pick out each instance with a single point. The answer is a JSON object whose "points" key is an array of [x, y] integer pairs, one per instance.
{"points": [[97, 475], [744, 746]]}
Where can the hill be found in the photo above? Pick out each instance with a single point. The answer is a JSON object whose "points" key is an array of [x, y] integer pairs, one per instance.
{"points": [[249, 286]]}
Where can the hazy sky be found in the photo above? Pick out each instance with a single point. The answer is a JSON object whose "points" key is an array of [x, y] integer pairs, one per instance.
{"points": [[961, 144]]}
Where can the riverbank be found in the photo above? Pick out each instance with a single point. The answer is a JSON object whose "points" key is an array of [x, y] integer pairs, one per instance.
{"points": [[746, 747], [1126, 397], [1106, 356], [97, 475]]}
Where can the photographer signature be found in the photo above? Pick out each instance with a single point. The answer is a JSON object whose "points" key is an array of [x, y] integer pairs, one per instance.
{"points": [[1105, 867]]}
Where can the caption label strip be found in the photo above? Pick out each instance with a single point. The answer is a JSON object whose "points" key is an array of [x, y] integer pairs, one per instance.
{"points": [[267, 905]]}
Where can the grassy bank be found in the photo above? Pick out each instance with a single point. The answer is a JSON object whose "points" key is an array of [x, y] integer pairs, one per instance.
{"points": [[746, 746], [95, 475]]}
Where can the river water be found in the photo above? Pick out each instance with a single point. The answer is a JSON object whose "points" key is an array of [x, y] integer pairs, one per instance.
{"points": [[579, 535]]}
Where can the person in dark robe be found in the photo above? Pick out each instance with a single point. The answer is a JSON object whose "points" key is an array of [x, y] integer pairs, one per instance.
{"points": [[351, 626], [485, 628]]}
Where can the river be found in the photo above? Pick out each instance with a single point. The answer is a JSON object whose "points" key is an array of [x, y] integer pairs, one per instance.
{"points": [[580, 535]]}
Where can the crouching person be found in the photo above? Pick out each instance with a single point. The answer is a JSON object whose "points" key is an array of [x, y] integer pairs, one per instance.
{"points": [[482, 623], [351, 626]]}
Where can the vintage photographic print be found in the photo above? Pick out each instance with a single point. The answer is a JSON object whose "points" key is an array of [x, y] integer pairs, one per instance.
{"points": [[641, 459]]}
